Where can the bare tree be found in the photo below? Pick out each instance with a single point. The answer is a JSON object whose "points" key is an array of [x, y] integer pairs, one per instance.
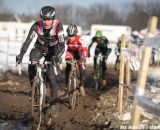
{"points": [[4, 9], [138, 17], [1, 6]]}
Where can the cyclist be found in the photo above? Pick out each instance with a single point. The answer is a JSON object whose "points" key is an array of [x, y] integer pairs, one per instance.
{"points": [[49, 43], [77, 51], [117, 53], [101, 47]]}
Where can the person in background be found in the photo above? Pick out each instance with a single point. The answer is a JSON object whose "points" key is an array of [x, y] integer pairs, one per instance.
{"points": [[77, 51], [101, 48], [117, 53], [50, 44]]}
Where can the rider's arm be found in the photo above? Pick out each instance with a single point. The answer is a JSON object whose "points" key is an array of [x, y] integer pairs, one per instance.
{"points": [[61, 40], [89, 47], [106, 42], [93, 40], [32, 33], [108, 50]]}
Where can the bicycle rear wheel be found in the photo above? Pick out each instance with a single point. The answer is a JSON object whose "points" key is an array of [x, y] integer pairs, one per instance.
{"points": [[97, 77], [73, 83], [35, 107]]}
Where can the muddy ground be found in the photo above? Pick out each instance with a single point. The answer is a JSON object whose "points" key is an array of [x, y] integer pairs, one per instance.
{"points": [[95, 111]]}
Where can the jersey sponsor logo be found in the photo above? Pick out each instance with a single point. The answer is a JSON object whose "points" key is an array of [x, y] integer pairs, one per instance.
{"points": [[75, 45], [61, 38]]}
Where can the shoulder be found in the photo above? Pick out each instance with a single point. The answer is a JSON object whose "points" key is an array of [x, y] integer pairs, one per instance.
{"points": [[58, 25], [57, 22], [104, 38], [34, 28], [78, 38], [36, 25], [81, 40]]}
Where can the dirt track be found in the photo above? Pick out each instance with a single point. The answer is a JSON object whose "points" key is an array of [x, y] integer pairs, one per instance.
{"points": [[92, 111]]}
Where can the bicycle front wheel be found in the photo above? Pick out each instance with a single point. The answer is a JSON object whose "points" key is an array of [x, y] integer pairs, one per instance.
{"points": [[35, 105], [98, 75], [73, 82]]}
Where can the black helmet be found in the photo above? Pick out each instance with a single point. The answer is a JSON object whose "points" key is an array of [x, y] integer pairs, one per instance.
{"points": [[72, 30], [47, 12]]}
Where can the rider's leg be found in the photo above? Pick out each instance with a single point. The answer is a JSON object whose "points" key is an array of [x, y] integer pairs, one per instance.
{"points": [[95, 62], [82, 78], [35, 56], [52, 82], [105, 52], [97, 51], [67, 71], [104, 68], [31, 72]]}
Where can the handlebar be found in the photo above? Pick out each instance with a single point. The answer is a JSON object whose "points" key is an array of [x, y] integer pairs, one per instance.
{"points": [[76, 61], [39, 63]]}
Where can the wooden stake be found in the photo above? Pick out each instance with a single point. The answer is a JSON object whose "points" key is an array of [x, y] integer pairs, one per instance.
{"points": [[121, 77], [152, 24], [141, 85], [128, 74]]}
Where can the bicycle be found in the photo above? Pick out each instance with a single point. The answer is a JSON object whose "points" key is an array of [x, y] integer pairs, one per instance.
{"points": [[100, 68], [98, 72], [40, 95], [73, 83]]}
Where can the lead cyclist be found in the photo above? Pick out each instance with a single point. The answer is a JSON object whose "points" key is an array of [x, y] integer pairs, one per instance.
{"points": [[50, 41]]}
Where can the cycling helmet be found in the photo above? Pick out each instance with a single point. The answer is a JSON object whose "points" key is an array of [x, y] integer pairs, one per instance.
{"points": [[47, 12], [99, 33], [72, 30]]}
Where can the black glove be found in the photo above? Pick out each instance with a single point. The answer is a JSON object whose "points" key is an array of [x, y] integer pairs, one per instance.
{"points": [[19, 59]]}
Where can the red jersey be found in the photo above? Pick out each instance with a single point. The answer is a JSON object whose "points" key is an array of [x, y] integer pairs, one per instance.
{"points": [[76, 45]]}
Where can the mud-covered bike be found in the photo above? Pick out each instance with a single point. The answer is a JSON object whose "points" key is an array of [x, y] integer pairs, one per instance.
{"points": [[99, 70], [41, 95], [73, 83]]}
